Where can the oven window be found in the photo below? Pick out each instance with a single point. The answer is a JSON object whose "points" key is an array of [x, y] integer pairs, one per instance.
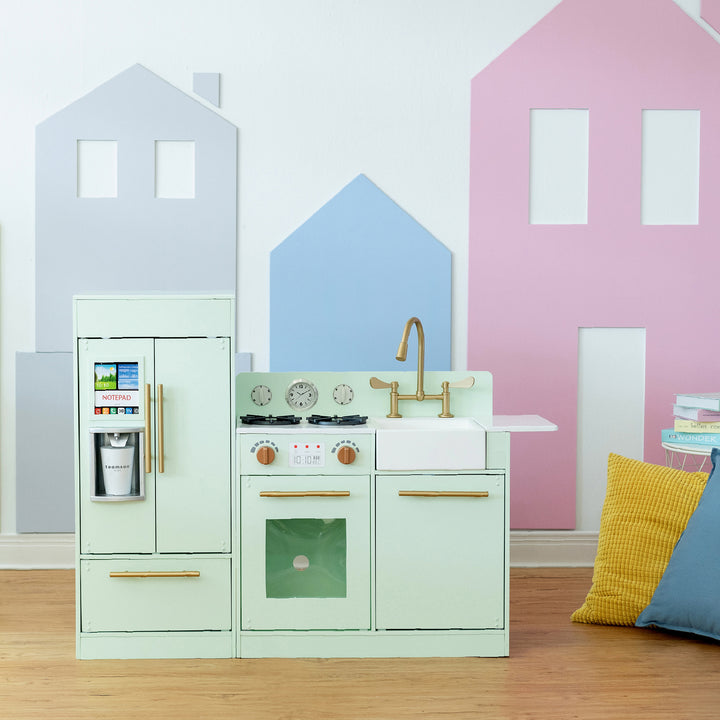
{"points": [[305, 558]]}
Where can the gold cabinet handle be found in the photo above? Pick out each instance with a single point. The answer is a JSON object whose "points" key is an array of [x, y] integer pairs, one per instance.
{"points": [[147, 444], [304, 493], [161, 430], [443, 493], [156, 574]]}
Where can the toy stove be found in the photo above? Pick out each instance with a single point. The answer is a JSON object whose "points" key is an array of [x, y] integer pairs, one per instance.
{"points": [[305, 469]]}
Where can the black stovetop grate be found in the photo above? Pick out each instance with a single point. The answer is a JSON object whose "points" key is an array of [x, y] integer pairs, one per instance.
{"points": [[337, 419], [269, 419]]}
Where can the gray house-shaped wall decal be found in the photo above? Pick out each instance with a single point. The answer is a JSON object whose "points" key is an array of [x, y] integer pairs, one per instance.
{"points": [[136, 240], [133, 236]]}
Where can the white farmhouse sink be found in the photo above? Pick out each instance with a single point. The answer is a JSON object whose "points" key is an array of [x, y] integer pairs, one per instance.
{"points": [[429, 443]]}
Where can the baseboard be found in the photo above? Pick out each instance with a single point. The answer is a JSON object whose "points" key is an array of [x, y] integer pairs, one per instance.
{"points": [[37, 551], [553, 548], [528, 548]]}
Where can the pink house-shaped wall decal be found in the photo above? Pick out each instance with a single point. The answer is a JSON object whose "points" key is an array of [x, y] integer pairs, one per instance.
{"points": [[533, 286]]}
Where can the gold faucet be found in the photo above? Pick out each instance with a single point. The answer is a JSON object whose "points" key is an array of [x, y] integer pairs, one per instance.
{"points": [[402, 356], [420, 393]]}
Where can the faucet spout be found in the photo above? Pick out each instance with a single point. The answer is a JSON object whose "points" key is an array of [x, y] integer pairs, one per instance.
{"points": [[402, 353]]}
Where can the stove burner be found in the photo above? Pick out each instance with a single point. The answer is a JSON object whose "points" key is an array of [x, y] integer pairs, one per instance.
{"points": [[269, 420], [337, 420]]}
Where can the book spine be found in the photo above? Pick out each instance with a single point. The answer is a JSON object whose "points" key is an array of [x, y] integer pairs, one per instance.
{"points": [[691, 426], [683, 438]]}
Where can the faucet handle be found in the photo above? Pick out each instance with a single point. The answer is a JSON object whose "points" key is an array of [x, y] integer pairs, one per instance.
{"points": [[468, 382], [379, 384]]}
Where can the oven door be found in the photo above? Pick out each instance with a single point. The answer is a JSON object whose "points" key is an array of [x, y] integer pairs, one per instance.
{"points": [[305, 552]]}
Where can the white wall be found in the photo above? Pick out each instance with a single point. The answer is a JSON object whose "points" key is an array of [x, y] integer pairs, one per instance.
{"points": [[321, 90]]}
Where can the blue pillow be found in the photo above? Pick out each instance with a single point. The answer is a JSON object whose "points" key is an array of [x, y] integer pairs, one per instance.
{"points": [[687, 599]]}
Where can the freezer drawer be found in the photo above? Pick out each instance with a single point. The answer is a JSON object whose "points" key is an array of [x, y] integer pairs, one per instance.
{"points": [[155, 594]]}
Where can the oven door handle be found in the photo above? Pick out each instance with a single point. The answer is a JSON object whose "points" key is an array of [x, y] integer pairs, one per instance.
{"points": [[304, 493]]}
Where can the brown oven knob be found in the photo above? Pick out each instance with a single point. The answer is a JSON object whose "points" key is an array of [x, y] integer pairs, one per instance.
{"points": [[265, 455], [346, 455]]}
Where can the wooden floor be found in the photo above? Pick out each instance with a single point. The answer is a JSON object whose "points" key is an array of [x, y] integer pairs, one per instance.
{"points": [[556, 670]]}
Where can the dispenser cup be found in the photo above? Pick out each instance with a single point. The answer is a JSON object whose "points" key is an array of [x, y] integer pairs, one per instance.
{"points": [[117, 465]]}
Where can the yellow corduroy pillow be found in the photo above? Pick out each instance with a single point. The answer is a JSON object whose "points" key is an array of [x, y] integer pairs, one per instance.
{"points": [[646, 510]]}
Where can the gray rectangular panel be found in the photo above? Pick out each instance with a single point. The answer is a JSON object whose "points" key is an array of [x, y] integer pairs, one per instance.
{"points": [[44, 443]]}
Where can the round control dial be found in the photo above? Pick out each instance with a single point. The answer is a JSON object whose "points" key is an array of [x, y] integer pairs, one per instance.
{"points": [[261, 395], [265, 455], [343, 394], [346, 455]]}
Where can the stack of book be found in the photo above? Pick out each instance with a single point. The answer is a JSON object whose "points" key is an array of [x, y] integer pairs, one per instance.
{"points": [[697, 420]]}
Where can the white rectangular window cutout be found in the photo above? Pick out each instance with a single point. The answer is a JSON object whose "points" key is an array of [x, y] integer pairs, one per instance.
{"points": [[174, 169], [670, 167], [611, 410], [97, 169], [559, 142]]}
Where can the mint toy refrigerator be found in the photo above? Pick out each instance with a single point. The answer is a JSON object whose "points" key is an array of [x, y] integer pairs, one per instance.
{"points": [[154, 462]]}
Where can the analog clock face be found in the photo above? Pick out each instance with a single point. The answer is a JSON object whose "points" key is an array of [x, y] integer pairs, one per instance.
{"points": [[343, 394], [301, 395], [261, 395]]}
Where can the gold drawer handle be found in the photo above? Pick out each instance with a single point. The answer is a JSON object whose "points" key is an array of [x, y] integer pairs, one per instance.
{"points": [[158, 574], [443, 493], [304, 493]]}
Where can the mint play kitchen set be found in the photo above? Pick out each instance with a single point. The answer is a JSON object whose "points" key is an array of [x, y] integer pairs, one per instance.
{"points": [[309, 514]]}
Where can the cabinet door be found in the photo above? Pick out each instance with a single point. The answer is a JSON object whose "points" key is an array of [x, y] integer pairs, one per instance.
{"points": [[193, 482], [108, 527], [440, 558]]}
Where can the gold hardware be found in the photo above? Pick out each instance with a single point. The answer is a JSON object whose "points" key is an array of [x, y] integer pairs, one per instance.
{"points": [[378, 384], [402, 356], [468, 382], [304, 493], [157, 574], [419, 395], [161, 430], [443, 493], [148, 454]]}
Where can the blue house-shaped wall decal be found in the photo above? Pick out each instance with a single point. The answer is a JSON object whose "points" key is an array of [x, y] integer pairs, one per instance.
{"points": [[344, 283]]}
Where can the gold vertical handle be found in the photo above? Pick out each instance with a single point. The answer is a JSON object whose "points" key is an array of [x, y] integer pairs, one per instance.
{"points": [[147, 443], [161, 430]]}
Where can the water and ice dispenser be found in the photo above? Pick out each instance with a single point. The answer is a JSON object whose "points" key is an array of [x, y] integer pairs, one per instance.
{"points": [[117, 442], [116, 463]]}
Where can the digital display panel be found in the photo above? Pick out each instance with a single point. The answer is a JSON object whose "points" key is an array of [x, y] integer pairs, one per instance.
{"points": [[117, 388], [307, 454]]}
